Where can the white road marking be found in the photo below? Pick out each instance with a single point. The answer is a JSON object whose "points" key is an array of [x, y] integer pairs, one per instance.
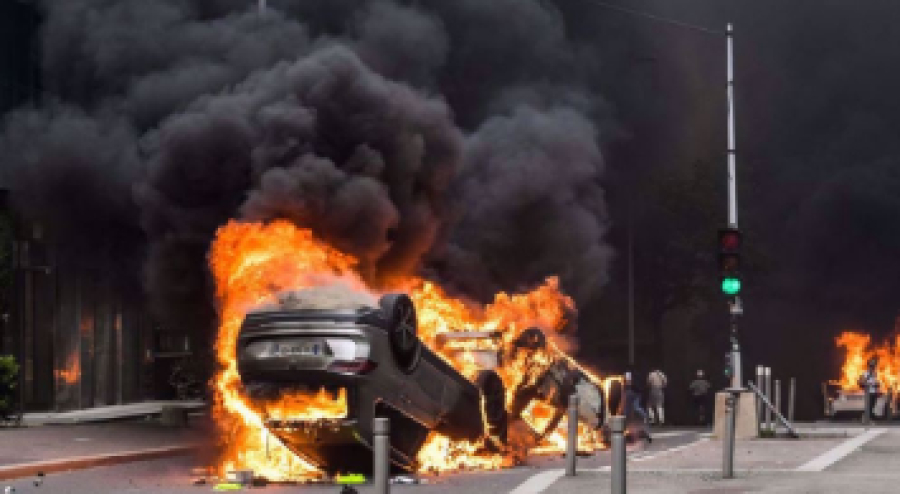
{"points": [[655, 454], [840, 451], [539, 482], [661, 435]]}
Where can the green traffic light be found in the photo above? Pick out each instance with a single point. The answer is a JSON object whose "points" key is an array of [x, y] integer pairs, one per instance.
{"points": [[731, 286]]}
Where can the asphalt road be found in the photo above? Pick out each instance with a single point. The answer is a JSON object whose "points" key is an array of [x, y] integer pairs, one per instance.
{"points": [[174, 475]]}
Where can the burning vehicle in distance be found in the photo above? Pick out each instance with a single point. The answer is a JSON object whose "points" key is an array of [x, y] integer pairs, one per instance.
{"points": [[369, 352], [842, 402]]}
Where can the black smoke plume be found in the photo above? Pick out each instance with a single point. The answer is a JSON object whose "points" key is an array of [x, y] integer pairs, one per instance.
{"points": [[452, 139]]}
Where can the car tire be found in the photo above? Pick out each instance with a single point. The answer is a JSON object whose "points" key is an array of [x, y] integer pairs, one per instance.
{"points": [[493, 400], [400, 313]]}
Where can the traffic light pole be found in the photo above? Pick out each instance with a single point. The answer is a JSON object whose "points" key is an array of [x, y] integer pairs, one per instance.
{"points": [[734, 305]]}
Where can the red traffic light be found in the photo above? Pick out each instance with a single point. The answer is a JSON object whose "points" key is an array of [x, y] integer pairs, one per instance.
{"points": [[729, 240]]}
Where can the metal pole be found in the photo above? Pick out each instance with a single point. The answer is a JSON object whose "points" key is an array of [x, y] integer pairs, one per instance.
{"points": [[617, 427], [630, 290], [732, 178], [791, 390], [728, 447], [760, 372], [768, 393], [572, 439], [381, 432], [777, 400], [738, 376]]}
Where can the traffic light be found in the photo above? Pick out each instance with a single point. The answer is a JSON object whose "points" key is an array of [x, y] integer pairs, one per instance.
{"points": [[729, 366], [730, 261]]}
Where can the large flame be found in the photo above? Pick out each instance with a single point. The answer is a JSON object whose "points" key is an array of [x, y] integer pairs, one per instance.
{"points": [[859, 350], [253, 262]]}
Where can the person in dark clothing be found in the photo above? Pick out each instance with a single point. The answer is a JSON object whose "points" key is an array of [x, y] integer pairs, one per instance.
{"points": [[699, 389], [869, 380], [634, 413]]}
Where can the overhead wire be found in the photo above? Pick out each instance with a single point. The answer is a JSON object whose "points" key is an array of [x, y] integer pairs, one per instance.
{"points": [[657, 18]]}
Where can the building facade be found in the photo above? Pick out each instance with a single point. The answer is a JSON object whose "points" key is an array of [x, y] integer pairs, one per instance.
{"points": [[82, 336]]}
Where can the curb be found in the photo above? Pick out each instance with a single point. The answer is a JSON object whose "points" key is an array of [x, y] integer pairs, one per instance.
{"points": [[82, 462]]}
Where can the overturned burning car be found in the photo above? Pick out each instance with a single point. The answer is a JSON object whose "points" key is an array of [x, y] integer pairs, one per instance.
{"points": [[374, 354], [370, 353]]}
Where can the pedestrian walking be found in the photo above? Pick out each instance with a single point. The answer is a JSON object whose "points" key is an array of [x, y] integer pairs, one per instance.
{"points": [[635, 415], [656, 382], [699, 389]]}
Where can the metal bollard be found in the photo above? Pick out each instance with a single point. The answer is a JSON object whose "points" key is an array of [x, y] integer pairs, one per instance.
{"points": [[777, 401], [728, 446], [760, 385], [791, 391], [572, 440], [381, 432], [617, 427], [768, 393]]}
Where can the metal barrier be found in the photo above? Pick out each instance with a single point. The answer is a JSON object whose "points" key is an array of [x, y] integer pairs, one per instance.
{"points": [[380, 442], [787, 425], [767, 393], [791, 393], [572, 439], [777, 399], [617, 428]]}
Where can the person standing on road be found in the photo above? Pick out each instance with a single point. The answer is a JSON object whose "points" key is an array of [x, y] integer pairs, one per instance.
{"points": [[869, 380], [656, 382], [635, 416], [699, 389]]}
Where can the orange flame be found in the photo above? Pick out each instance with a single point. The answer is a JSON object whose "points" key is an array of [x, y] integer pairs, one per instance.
{"points": [[253, 262], [859, 350]]}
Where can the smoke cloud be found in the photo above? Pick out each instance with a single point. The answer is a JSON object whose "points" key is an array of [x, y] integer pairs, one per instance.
{"points": [[456, 140]]}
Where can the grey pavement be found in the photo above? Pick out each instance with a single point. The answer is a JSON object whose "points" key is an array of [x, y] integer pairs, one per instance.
{"points": [[173, 475], [58, 442], [677, 461]]}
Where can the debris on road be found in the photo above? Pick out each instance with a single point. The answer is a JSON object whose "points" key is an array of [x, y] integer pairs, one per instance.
{"points": [[228, 487], [351, 478], [242, 477], [403, 479]]}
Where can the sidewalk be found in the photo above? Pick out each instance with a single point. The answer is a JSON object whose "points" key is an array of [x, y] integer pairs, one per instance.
{"points": [[28, 450], [113, 412]]}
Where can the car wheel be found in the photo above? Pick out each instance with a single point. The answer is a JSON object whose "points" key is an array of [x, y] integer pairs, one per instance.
{"points": [[400, 312], [493, 403]]}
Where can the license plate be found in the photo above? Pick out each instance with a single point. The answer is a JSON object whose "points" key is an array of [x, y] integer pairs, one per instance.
{"points": [[296, 349]]}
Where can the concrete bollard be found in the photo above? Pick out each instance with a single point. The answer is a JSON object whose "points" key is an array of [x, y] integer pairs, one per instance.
{"points": [[792, 390], [381, 436], [572, 439], [728, 442], [617, 428]]}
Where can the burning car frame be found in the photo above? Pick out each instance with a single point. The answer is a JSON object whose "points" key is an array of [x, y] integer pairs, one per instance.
{"points": [[373, 358]]}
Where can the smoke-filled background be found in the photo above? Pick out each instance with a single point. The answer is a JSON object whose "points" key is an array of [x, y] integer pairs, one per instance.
{"points": [[487, 145]]}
